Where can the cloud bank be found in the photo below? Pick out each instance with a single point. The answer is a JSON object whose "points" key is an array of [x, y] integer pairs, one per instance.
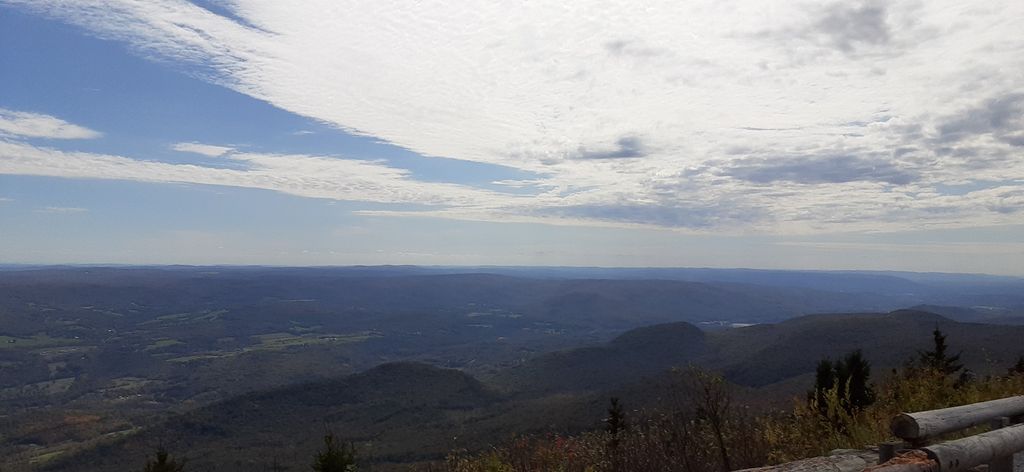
{"points": [[710, 116]]}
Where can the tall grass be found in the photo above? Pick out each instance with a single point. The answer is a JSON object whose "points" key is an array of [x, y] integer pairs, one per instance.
{"points": [[806, 431], [690, 437]]}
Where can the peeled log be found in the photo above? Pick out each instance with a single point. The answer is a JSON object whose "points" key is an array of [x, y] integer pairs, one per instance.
{"points": [[932, 423], [972, 451]]}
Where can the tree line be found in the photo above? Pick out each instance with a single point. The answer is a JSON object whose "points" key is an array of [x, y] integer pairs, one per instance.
{"points": [[704, 429]]}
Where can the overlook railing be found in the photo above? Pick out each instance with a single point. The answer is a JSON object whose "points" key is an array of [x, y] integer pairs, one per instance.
{"points": [[918, 451], [995, 448]]}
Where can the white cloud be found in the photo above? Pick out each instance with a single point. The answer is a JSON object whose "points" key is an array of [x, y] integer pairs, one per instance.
{"points": [[797, 209], [303, 175], [6, 200], [729, 116], [62, 210], [36, 125], [204, 149]]}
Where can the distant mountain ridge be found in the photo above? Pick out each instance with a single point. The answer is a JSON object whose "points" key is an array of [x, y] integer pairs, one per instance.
{"points": [[626, 298], [126, 345], [627, 358], [405, 411], [759, 355]]}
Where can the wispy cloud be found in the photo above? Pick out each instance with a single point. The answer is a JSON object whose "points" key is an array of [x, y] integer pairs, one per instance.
{"points": [[735, 116], [35, 125], [303, 175], [62, 210], [204, 149]]}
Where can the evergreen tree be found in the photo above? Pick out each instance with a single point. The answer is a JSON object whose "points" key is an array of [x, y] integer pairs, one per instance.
{"points": [[849, 377], [164, 463], [335, 457], [824, 380], [859, 393], [615, 424], [937, 359], [842, 374]]}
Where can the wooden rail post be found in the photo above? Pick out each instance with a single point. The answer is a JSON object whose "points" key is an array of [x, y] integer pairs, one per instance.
{"points": [[1004, 463]]}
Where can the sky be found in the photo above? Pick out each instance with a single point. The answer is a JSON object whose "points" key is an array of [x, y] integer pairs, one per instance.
{"points": [[749, 133]]}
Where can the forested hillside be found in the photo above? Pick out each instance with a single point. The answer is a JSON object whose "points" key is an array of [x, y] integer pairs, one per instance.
{"points": [[401, 414]]}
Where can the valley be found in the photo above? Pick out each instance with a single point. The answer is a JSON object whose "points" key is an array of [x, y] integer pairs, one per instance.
{"points": [[106, 363]]}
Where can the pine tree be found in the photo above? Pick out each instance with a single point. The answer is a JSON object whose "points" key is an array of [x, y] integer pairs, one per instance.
{"points": [[164, 463], [615, 424], [849, 377], [824, 380], [335, 457], [937, 359], [859, 393]]}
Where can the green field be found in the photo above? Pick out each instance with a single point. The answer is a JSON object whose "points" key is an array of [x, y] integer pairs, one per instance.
{"points": [[180, 318], [162, 343], [277, 342], [35, 342], [48, 387]]}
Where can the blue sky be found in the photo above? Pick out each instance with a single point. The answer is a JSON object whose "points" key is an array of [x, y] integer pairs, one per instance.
{"points": [[825, 135]]}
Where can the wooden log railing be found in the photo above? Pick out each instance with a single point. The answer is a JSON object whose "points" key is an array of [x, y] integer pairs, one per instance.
{"points": [[987, 448], [929, 424], [995, 448]]}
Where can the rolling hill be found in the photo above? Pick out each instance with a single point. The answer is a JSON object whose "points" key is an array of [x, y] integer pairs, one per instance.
{"points": [[398, 413], [126, 346], [760, 355]]}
